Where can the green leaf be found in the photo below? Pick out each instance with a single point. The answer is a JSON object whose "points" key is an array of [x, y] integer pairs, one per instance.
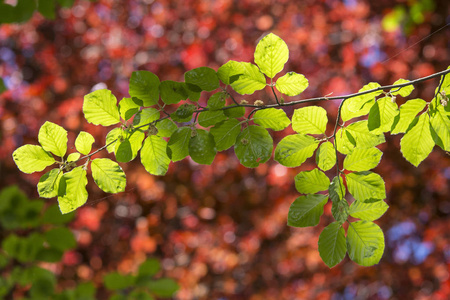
{"points": [[292, 84], [440, 124], [3, 87], [73, 156], [306, 210], [356, 103], [271, 54], [310, 120], [231, 68], [417, 143], [172, 92], [66, 3], [108, 175], [326, 156], [382, 114], [84, 142], [368, 211], [144, 85], [60, 238], [112, 138], [332, 244], [225, 133], [146, 116], [253, 146], [347, 113], [404, 91], [127, 149], [47, 8], [154, 156], [216, 101], [166, 128], [272, 118], [293, 150], [362, 159], [54, 216], [202, 147], [337, 189], [100, 108], [365, 243], [53, 138], [31, 158], [115, 281], [310, 182], [72, 190], [408, 111], [49, 183], [209, 118], [163, 287], [249, 81], [128, 108], [235, 112], [339, 210], [178, 145], [183, 113], [149, 267], [357, 135], [205, 78], [366, 186]]}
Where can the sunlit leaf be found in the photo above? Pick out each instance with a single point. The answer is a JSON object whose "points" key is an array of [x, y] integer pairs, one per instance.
{"points": [[53, 138], [294, 149], [272, 118], [310, 120], [368, 211], [339, 210], [100, 108], [225, 133], [173, 92], [362, 159], [72, 190], [408, 111], [127, 147], [231, 68], [84, 142], [365, 243], [366, 186], [128, 108], [337, 189], [292, 84], [249, 81], [32, 158], [154, 156], [356, 103], [326, 156], [108, 175], [382, 114], [310, 182], [440, 124], [417, 143], [404, 91], [178, 145], [49, 183], [271, 54]]}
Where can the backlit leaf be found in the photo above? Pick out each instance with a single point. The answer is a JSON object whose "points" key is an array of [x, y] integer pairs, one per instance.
{"points": [[225, 133], [249, 81], [49, 183], [292, 84], [408, 111], [100, 108], [126, 149], [365, 243], [417, 143], [356, 103], [294, 149], [368, 211], [146, 116], [366, 186], [310, 182], [272, 118], [362, 159], [271, 54], [382, 114], [231, 68], [72, 190], [178, 145], [32, 158], [404, 91], [108, 175], [84, 142], [128, 108], [53, 138], [154, 156], [440, 123], [310, 120], [326, 156], [337, 189]]}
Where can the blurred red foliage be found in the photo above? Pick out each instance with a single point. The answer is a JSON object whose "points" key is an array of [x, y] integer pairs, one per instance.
{"points": [[221, 230]]}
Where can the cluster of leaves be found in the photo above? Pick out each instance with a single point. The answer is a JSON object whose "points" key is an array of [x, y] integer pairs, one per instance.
{"points": [[31, 236], [199, 132], [24, 9]]}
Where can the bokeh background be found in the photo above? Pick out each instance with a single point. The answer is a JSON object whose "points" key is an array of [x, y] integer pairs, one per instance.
{"points": [[220, 230]]}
